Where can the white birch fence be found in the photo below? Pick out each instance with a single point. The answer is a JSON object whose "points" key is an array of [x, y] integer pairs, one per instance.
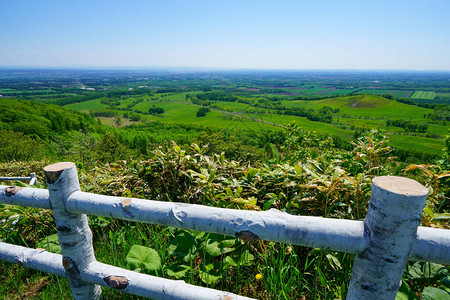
{"points": [[383, 242], [32, 179]]}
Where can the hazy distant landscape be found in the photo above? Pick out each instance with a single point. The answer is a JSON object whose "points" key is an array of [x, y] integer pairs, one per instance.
{"points": [[344, 104]]}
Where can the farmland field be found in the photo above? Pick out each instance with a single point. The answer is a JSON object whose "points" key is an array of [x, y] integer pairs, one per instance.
{"points": [[359, 111], [365, 106], [395, 93], [423, 95]]}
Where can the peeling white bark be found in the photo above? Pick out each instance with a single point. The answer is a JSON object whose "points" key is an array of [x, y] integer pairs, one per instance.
{"points": [[274, 225], [74, 234], [153, 287], [38, 198], [395, 207], [32, 179], [431, 244], [113, 277], [38, 259]]}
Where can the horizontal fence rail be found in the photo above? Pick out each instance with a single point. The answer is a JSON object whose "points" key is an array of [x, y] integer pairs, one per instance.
{"points": [[32, 179], [383, 242], [135, 283], [431, 244]]}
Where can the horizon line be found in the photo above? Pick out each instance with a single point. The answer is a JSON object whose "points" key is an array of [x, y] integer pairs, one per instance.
{"points": [[211, 68]]}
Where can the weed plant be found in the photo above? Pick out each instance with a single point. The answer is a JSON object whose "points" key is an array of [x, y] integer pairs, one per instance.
{"points": [[307, 177]]}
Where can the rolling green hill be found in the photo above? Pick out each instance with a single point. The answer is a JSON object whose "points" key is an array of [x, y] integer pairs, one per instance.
{"points": [[365, 106], [351, 113]]}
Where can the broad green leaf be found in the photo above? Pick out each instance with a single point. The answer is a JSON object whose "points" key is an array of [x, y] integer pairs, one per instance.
{"points": [[216, 244], [143, 257], [250, 173], [212, 175], [405, 293], [183, 246], [298, 170], [177, 271], [429, 211], [427, 271], [441, 217], [240, 257], [250, 201], [238, 190], [431, 293], [51, 244], [446, 281], [229, 192], [268, 203], [208, 275]]}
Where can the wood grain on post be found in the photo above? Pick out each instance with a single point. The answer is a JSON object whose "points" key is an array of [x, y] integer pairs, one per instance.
{"points": [[74, 234], [394, 213]]}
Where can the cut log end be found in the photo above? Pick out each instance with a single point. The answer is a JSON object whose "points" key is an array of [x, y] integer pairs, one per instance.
{"points": [[247, 236], [67, 263], [52, 172], [400, 185], [11, 190], [116, 282], [126, 202]]}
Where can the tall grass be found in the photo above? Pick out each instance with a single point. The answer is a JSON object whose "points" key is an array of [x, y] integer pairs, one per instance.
{"points": [[309, 177]]}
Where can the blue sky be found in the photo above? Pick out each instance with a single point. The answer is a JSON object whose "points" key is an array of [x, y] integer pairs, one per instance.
{"points": [[363, 34]]}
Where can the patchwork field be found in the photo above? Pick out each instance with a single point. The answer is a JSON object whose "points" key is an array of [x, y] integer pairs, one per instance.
{"points": [[359, 111], [394, 93], [423, 95]]}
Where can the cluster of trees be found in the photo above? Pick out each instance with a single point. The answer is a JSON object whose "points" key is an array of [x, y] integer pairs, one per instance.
{"points": [[44, 127], [324, 115], [29, 128], [132, 116], [111, 94], [440, 114], [407, 125], [155, 110], [110, 101], [132, 104], [202, 111]]}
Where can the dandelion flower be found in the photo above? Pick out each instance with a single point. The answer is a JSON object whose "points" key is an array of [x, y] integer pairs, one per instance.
{"points": [[258, 276]]}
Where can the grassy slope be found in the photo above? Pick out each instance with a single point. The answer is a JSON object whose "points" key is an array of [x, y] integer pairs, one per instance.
{"points": [[87, 105], [364, 111], [395, 93], [366, 106], [380, 109]]}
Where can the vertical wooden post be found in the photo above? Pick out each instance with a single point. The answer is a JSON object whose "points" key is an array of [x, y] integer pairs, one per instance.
{"points": [[75, 236], [394, 213]]}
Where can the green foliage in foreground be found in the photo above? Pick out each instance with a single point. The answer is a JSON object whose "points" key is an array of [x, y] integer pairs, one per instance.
{"points": [[308, 177]]}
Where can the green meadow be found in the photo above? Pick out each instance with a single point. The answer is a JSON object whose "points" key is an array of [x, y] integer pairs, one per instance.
{"points": [[365, 106], [352, 112], [423, 95], [395, 93]]}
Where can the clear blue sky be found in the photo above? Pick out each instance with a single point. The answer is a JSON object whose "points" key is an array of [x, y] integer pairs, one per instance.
{"points": [[325, 34]]}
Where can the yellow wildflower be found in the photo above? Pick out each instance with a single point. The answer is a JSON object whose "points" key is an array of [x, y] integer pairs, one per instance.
{"points": [[258, 276]]}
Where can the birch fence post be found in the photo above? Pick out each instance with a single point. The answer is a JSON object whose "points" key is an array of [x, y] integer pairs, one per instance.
{"points": [[393, 215], [75, 236]]}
